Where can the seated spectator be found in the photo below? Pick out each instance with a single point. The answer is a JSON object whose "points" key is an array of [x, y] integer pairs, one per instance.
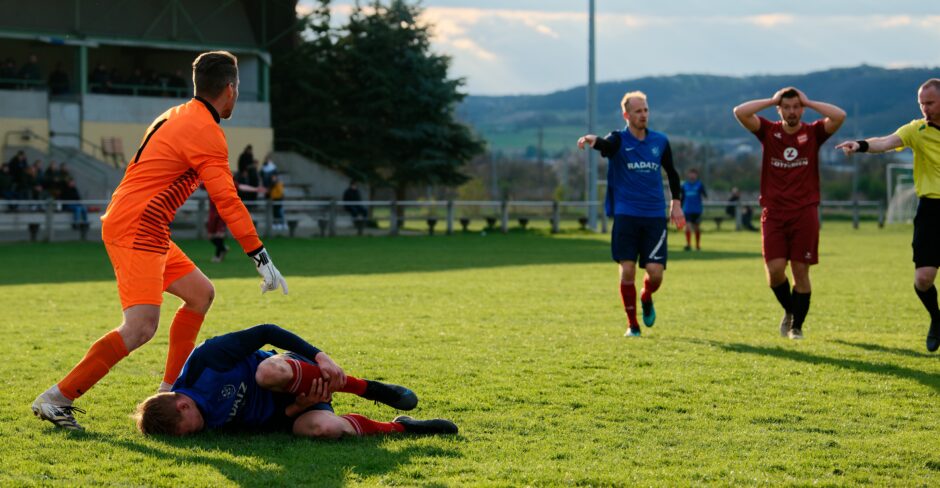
{"points": [[18, 164], [6, 183], [50, 180], [352, 195], [58, 81], [746, 215], [30, 189], [79, 212], [100, 80], [30, 71], [8, 74], [177, 85]]}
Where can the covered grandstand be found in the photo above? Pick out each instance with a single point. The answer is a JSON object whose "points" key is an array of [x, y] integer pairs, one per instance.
{"points": [[81, 81]]}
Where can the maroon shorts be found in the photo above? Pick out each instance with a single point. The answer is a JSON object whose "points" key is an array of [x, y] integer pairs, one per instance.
{"points": [[214, 224], [790, 234]]}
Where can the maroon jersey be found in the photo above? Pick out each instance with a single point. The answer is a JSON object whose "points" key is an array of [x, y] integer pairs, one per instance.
{"points": [[789, 177]]}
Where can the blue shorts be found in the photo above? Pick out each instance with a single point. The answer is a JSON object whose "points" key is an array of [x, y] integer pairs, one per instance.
{"points": [[694, 218], [279, 421], [639, 236]]}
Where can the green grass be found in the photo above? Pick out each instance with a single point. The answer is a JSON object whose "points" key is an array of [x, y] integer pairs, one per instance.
{"points": [[518, 338]]}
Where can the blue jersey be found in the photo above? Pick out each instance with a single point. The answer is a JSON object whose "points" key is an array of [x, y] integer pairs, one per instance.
{"points": [[219, 376], [634, 178], [692, 194]]}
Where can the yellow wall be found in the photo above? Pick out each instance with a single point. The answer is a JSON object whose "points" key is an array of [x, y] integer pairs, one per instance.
{"points": [[38, 126], [261, 139]]}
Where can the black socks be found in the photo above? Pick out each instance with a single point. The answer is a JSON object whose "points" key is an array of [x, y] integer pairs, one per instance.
{"points": [[782, 292]]}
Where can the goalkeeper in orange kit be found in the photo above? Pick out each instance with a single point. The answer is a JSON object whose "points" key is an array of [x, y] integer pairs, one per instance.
{"points": [[181, 147]]}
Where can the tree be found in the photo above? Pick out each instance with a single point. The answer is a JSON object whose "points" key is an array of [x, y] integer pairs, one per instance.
{"points": [[400, 102]]}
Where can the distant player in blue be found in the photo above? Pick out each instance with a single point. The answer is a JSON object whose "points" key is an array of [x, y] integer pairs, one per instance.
{"points": [[636, 156], [693, 191], [229, 383]]}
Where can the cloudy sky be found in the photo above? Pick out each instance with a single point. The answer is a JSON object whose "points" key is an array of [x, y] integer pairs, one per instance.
{"points": [[538, 46]]}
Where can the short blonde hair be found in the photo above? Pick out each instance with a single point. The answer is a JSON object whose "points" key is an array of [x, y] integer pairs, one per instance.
{"points": [[157, 415], [630, 96]]}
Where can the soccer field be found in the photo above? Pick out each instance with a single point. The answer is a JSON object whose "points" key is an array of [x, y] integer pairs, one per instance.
{"points": [[519, 339]]}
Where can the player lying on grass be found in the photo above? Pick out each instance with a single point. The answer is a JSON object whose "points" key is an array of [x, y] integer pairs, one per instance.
{"points": [[228, 383]]}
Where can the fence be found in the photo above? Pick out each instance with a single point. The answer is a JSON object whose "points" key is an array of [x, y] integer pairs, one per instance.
{"points": [[49, 220]]}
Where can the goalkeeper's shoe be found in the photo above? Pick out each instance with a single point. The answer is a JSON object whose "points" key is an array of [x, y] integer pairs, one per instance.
{"points": [[395, 396], [649, 313], [424, 427], [60, 415]]}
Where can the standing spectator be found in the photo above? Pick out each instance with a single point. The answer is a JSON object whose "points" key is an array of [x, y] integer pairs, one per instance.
{"points": [[246, 159], [6, 183], [30, 71], [733, 200], [62, 177], [789, 194], [18, 164], [79, 212], [177, 84], [58, 81], [268, 170], [276, 195], [352, 194]]}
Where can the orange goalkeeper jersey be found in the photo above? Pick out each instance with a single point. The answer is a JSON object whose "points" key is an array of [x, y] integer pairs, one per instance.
{"points": [[182, 146]]}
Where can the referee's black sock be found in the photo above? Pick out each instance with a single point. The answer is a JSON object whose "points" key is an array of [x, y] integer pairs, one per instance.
{"points": [[800, 308], [782, 292], [929, 298]]}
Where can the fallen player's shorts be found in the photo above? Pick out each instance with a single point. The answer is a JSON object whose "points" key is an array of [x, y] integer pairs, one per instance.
{"points": [[926, 241], [643, 236], [279, 421], [792, 235], [143, 276]]}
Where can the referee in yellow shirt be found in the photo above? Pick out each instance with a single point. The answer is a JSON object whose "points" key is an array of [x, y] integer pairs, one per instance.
{"points": [[923, 137]]}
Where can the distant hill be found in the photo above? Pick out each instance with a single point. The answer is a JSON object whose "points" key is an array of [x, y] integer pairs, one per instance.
{"points": [[878, 100]]}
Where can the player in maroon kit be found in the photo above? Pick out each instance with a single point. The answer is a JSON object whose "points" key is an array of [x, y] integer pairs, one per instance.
{"points": [[789, 194]]}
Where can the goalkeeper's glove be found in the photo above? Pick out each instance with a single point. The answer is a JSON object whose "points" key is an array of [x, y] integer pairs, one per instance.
{"points": [[271, 277]]}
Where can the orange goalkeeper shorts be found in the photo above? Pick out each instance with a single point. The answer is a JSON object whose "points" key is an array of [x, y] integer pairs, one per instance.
{"points": [[143, 276]]}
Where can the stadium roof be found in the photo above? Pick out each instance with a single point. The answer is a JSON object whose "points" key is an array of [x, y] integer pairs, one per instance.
{"points": [[247, 26]]}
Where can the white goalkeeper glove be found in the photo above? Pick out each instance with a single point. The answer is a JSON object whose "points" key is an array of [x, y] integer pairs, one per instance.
{"points": [[271, 277]]}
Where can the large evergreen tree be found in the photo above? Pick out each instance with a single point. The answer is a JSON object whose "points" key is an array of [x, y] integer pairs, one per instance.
{"points": [[372, 100]]}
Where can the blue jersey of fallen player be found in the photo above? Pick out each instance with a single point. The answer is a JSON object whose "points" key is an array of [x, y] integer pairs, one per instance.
{"points": [[634, 180], [692, 194], [219, 376]]}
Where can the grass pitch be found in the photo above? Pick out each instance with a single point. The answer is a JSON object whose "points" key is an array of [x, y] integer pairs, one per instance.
{"points": [[517, 338]]}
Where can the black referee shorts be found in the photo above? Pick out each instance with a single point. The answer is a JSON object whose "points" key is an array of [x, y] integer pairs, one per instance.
{"points": [[926, 242]]}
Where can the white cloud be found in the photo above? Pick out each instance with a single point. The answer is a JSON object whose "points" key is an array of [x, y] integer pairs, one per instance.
{"points": [[770, 20]]}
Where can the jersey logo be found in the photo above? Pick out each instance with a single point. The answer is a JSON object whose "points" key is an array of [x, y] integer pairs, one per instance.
{"points": [[239, 400], [802, 138], [790, 153], [655, 151], [628, 149], [778, 135], [228, 391]]}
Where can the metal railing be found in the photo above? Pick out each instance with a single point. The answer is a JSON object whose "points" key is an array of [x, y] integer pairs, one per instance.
{"points": [[327, 218]]}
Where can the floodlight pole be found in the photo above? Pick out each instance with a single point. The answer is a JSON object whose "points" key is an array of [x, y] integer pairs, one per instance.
{"points": [[592, 114]]}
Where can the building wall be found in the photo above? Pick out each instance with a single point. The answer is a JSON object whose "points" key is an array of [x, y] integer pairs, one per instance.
{"points": [[22, 110]]}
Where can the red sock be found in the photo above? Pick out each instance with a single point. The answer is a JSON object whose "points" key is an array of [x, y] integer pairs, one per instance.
{"points": [[366, 426], [183, 332], [100, 358], [698, 238], [648, 289], [688, 237], [628, 295], [303, 374]]}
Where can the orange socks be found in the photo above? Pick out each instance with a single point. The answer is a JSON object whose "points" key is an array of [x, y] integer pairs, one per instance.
{"points": [[183, 332], [100, 358]]}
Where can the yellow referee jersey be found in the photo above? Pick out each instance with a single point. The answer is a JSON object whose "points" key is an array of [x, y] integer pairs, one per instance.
{"points": [[924, 139]]}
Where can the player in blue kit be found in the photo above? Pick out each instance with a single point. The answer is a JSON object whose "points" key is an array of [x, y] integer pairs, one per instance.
{"points": [[636, 156], [228, 383], [693, 191]]}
